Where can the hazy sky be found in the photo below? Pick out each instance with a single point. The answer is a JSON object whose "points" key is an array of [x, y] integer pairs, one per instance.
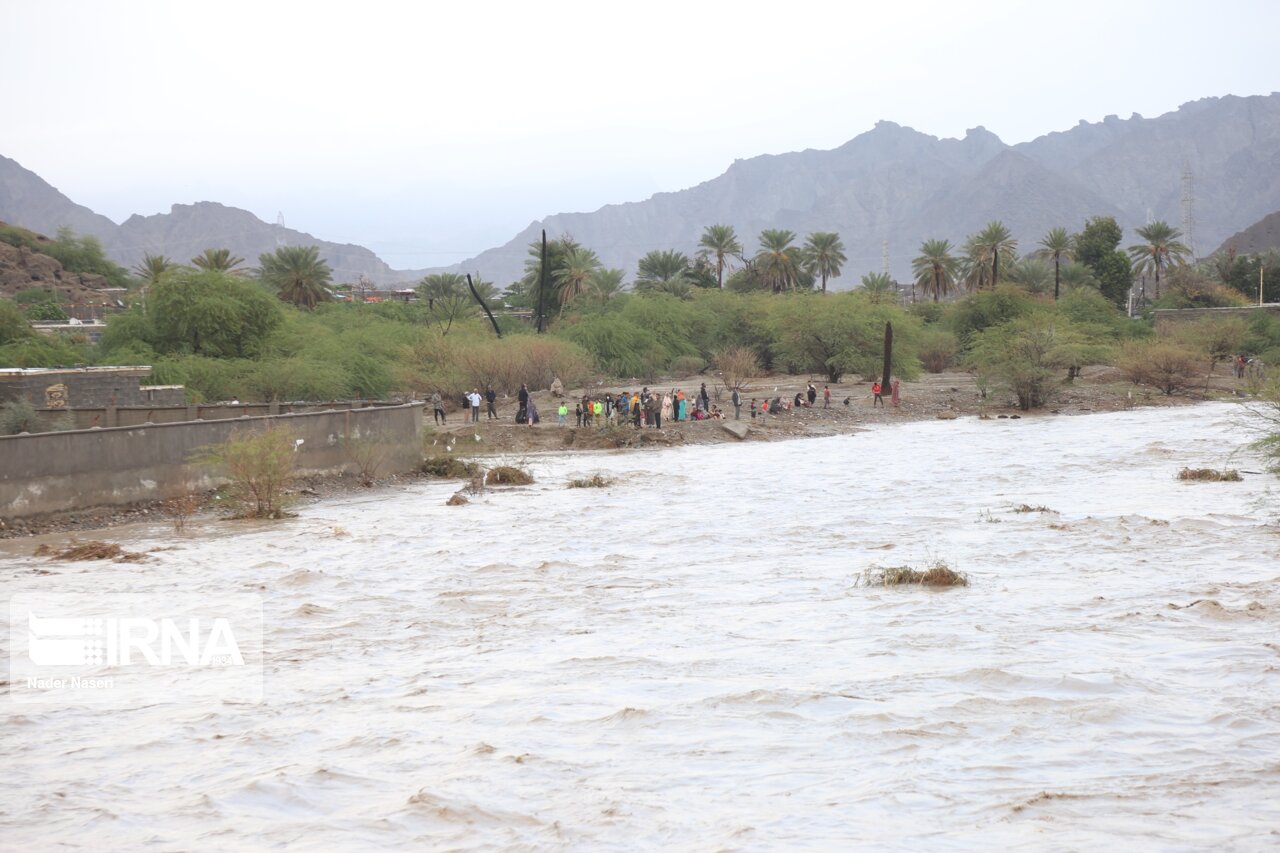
{"points": [[430, 131]]}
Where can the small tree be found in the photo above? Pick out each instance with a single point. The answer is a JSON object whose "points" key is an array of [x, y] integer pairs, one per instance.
{"points": [[1023, 355], [259, 464], [736, 366], [1161, 364]]}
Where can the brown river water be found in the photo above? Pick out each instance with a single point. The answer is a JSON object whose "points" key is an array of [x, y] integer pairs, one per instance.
{"points": [[685, 660]]}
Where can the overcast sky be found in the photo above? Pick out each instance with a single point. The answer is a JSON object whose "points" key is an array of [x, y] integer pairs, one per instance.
{"points": [[430, 131]]}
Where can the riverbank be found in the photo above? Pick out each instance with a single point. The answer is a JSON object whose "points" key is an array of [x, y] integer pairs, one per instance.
{"points": [[943, 396]]}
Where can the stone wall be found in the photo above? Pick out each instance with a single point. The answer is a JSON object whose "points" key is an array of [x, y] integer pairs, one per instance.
{"points": [[77, 387], [56, 471]]}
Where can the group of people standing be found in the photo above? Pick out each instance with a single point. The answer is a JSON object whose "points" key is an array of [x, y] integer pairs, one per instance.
{"points": [[643, 408]]}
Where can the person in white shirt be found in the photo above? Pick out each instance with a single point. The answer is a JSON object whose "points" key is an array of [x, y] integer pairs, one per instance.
{"points": [[474, 399]]}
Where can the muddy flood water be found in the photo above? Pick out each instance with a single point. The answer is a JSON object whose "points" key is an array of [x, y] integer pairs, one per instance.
{"points": [[685, 661]]}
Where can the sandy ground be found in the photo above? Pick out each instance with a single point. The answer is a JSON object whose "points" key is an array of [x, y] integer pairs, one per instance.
{"points": [[942, 396]]}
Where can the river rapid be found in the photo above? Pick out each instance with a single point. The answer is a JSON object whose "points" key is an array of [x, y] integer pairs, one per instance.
{"points": [[686, 661]]}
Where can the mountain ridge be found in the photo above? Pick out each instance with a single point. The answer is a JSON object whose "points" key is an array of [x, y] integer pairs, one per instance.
{"points": [[890, 185]]}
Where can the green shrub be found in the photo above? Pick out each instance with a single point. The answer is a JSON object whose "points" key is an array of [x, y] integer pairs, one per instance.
{"points": [[938, 349], [688, 364], [1165, 365], [259, 464], [19, 416]]}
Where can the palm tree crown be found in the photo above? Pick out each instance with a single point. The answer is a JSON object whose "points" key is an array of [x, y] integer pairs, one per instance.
{"points": [[1160, 249], [721, 243], [152, 267], [824, 255], [778, 262], [936, 268], [878, 285], [985, 250], [298, 274], [219, 260], [659, 267], [573, 278]]}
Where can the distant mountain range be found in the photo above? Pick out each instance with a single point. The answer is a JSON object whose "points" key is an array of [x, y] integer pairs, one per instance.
{"points": [[1262, 236], [891, 186]]}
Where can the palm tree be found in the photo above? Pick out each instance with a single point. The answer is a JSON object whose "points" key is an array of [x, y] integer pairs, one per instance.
{"points": [[659, 267], [1160, 249], [606, 283], [1078, 275], [1032, 274], [992, 242], [721, 243], [298, 274], [936, 268], [488, 290], [151, 268], [823, 255], [778, 262], [878, 285], [220, 260], [573, 278], [531, 282], [1057, 244]]}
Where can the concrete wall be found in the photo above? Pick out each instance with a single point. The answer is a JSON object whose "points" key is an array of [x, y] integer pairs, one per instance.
{"points": [[1168, 319], [51, 472], [113, 416]]}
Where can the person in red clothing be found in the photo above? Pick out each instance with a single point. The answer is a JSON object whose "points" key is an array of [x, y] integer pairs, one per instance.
{"points": [[875, 391]]}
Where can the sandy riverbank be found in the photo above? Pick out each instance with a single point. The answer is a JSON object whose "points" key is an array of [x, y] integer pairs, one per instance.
{"points": [[933, 396]]}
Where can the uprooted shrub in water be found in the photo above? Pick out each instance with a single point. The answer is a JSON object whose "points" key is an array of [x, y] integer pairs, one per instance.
{"points": [[936, 574], [508, 475], [448, 468], [1210, 475], [94, 550], [595, 481]]}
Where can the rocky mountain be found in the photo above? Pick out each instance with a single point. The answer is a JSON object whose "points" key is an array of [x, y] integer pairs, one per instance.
{"points": [[28, 200], [186, 230], [1261, 236], [896, 185], [889, 187]]}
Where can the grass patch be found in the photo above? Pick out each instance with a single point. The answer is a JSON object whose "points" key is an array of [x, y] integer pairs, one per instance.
{"points": [[448, 468], [1029, 508], [508, 475], [595, 481], [1210, 475], [936, 574]]}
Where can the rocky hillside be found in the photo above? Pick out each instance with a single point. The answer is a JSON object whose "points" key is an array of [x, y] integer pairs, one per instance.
{"points": [[1261, 236], [25, 267]]}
